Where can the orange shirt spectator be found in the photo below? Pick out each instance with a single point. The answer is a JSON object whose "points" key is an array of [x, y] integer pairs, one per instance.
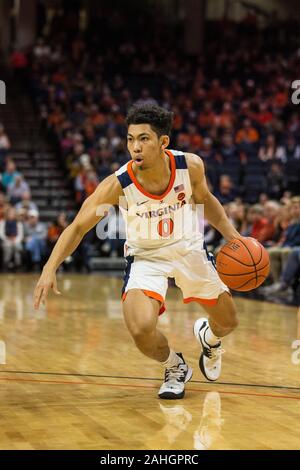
{"points": [[281, 99], [57, 117], [207, 117], [248, 133], [91, 182], [56, 229]]}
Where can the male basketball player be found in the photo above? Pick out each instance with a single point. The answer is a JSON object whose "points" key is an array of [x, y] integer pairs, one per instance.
{"points": [[159, 187]]}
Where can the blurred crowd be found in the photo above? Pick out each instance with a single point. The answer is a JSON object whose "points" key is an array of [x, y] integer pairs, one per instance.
{"points": [[25, 242], [231, 105], [276, 225]]}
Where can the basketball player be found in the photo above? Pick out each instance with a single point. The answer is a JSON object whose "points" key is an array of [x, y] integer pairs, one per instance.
{"points": [[158, 186]]}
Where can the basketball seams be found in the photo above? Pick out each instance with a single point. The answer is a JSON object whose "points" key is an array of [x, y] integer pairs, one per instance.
{"points": [[249, 280], [236, 259], [243, 274], [252, 258]]}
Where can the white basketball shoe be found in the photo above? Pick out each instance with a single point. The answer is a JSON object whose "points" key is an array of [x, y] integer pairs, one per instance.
{"points": [[175, 379], [210, 360]]}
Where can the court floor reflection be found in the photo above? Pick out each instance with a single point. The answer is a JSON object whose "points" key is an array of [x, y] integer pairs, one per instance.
{"points": [[199, 427], [209, 429]]}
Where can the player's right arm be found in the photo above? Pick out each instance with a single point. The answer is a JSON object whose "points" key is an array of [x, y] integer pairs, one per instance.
{"points": [[92, 210]]}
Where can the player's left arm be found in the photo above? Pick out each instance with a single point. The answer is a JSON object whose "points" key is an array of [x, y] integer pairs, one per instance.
{"points": [[213, 210]]}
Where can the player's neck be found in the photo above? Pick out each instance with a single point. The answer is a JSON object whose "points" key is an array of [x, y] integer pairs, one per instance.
{"points": [[160, 171]]}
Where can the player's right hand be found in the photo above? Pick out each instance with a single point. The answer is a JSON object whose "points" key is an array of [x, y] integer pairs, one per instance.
{"points": [[46, 282]]}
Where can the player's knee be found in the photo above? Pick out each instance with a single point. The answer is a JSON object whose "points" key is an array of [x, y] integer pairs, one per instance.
{"points": [[233, 323], [228, 322], [141, 330], [227, 325]]}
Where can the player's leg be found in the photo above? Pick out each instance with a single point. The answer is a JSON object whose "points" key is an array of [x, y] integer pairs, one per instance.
{"points": [[222, 316], [222, 321], [141, 315], [200, 282]]}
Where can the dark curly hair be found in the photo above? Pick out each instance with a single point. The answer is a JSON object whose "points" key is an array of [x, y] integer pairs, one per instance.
{"points": [[159, 118]]}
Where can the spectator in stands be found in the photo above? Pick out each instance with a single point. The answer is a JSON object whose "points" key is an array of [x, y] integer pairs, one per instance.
{"points": [[289, 278], [4, 146], [281, 222], [56, 118], [263, 198], [228, 150], [19, 63], [256, 222], [207, 151], [276, 181], [226, 118], [270, 150], [207, 116], [289, 239], [291, 150], [226, 191], [91, 183], [270, 213], [293, 125], [10, 174], [55, 230], [26, 203], [3, 206], [35, 234], [247, 134], [16, 190], [236, 212], [41, 50], [81, 182], [11, 235], [264, 116], [146, 97]]}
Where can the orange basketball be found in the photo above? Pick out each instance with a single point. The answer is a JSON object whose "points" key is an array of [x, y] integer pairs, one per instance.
{"points": [[243, 264]]}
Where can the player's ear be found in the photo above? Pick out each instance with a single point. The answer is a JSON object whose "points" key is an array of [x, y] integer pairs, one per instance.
{"points": [[165, 140]]}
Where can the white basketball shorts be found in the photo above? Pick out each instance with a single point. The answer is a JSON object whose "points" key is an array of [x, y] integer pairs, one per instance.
{"points": [[188, 262]]}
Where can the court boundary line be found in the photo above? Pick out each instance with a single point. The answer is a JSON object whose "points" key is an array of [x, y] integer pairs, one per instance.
{"points": [[69, 374], [259, 395]]}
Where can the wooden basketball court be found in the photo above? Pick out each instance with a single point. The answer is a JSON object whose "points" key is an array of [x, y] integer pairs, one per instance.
{"points": [[73, 378]]}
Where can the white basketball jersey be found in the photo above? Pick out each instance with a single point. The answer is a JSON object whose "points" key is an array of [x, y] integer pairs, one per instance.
{"points": [[153, 222]]}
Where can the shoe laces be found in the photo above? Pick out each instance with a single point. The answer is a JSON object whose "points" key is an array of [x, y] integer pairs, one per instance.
{"points": [[213, 352], [175, 373]]}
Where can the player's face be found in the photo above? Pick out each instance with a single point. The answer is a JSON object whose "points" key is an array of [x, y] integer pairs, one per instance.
{"points": [[144, 145]]}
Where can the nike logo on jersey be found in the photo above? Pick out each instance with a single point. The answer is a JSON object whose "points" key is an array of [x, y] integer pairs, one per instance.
{"points": [[140, 203]]}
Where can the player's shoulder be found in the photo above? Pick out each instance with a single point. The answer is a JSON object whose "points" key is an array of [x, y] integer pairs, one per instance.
{"points": [[191, 160], [123, 169], [194, 163], [109, 189]]}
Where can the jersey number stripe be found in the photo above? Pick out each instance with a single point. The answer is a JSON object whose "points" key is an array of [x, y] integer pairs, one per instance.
{"points": [[165, 227]]}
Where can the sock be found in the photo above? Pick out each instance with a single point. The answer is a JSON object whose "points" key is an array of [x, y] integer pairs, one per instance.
{"points": [[210, 338], [173, 360]]}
